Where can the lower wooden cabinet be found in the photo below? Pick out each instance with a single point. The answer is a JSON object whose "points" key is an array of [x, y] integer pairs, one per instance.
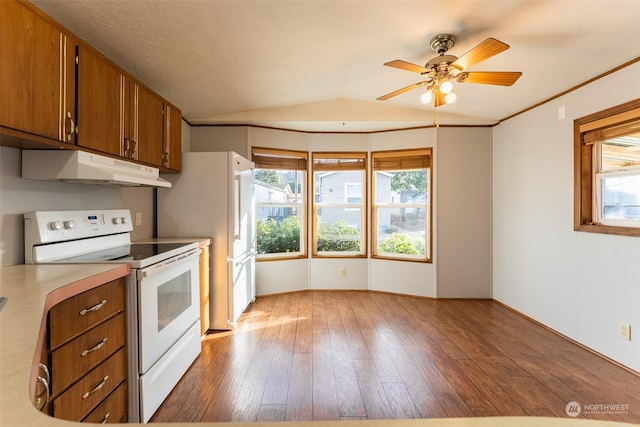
{"points": [[85, 355]]}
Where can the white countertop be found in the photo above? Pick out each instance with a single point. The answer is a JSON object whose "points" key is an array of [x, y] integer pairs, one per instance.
{"points": [[33, 289]]}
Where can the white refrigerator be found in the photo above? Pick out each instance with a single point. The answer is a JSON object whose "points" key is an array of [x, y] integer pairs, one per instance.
{"points": [[214, 197]]}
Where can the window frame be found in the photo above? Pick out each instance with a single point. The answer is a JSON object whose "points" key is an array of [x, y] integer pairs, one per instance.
{"points": [[586, 168], [402, 156], [346, 161], [289, 160]]}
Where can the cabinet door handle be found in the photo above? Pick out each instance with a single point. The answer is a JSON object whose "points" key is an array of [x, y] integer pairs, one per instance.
{"points": [[106, 417], [126, 146], [94, 308], [97, 347], [96, 388], [72, 127], [134, 148]]}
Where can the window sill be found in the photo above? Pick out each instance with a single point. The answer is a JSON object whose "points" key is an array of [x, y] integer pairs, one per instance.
{"points": [[609, 229]]}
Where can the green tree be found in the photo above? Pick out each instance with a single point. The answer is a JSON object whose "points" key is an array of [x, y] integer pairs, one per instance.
{"points": [[409, 180], [268, 176], [278, 237]]}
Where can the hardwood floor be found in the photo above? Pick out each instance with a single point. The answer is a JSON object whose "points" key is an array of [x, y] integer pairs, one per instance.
{"points": [[325, 355]]}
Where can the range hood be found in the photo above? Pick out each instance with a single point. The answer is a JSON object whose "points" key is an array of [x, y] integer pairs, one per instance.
{"points": [[88, 168]]}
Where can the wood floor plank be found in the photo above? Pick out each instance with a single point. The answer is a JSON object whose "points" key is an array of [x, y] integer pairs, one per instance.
{"points": [[300, 396], [351, 355], [377, 405], [325, 394], [272, 413]]}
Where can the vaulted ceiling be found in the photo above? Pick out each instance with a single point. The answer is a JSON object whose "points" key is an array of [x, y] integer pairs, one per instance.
{"points": [[318, 65]]}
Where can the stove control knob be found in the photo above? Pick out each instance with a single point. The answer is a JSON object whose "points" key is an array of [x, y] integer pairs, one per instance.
{"points": [[69, 224], [116, 221], [56, 225], [123, 220]]}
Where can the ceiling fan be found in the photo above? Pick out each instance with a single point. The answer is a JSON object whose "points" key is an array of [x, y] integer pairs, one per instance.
{"points": [[440, 72]]}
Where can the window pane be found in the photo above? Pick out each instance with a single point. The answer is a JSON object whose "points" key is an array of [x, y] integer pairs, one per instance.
{"points": [[281, 235], [621, 197], [280, 213], [339, 211], [339, 229], [401, 213], [401, 231]]}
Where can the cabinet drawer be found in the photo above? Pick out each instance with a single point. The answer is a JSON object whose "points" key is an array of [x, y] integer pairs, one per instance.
{"points": [[91, 390], [112, 410], [76, 314], [78, 356]]}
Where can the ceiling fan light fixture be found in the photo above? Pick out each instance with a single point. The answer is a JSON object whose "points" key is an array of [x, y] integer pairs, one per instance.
{"points": [[426, 97], [450, 98], [446, 86]]}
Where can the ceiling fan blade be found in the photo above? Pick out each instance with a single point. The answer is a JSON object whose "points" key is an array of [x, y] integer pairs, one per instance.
{"points": [[483, 51], [408, 66], [500, 78], [400, 91]]}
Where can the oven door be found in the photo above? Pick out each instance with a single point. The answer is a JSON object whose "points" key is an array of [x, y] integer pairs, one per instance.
{"points": [[168, 304]]}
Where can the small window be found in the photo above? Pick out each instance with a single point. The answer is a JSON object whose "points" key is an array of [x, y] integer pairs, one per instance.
{"points": [[281, 183], [607, 171], [339, 204], [401, 209]]}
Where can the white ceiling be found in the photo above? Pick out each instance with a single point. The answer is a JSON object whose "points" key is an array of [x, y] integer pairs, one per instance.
{"points": [[318, 65]]}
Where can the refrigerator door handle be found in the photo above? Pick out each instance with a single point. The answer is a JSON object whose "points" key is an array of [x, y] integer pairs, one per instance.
{"points": [[237, 219], [244, 259]]}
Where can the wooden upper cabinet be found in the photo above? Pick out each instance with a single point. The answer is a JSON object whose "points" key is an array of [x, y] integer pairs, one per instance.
{"points": [[37, 74], [172, 147], [57, 90], [147, 122], [100, 103]]}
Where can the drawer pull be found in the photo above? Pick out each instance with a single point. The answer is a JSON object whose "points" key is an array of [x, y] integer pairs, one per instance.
{"points": [[42, 398], [106, 417], [97, 347], [96, 388], [94, 308]]}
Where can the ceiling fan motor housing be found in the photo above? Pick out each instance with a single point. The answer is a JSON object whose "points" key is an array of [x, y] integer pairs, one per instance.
{"points": [[442, 43]]}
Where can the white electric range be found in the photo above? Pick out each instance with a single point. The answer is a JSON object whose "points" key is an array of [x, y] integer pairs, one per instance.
{"points": [[162, 293]]}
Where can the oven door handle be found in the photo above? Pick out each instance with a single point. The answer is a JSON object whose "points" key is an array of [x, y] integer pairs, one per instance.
{"points": [[168, 264]]}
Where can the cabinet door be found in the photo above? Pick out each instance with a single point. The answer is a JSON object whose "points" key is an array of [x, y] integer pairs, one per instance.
{"points": [[101, 104], [34, 74], [172, 148], [148, 124]]}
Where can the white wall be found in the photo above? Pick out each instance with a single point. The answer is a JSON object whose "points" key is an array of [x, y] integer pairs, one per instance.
{"points": [[463, 169], [18, 196], [580, 284], [220, 138]]}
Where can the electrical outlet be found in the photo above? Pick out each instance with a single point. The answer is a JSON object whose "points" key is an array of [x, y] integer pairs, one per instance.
{"points": [[138, 219], [625, 331], [343, 272]]}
